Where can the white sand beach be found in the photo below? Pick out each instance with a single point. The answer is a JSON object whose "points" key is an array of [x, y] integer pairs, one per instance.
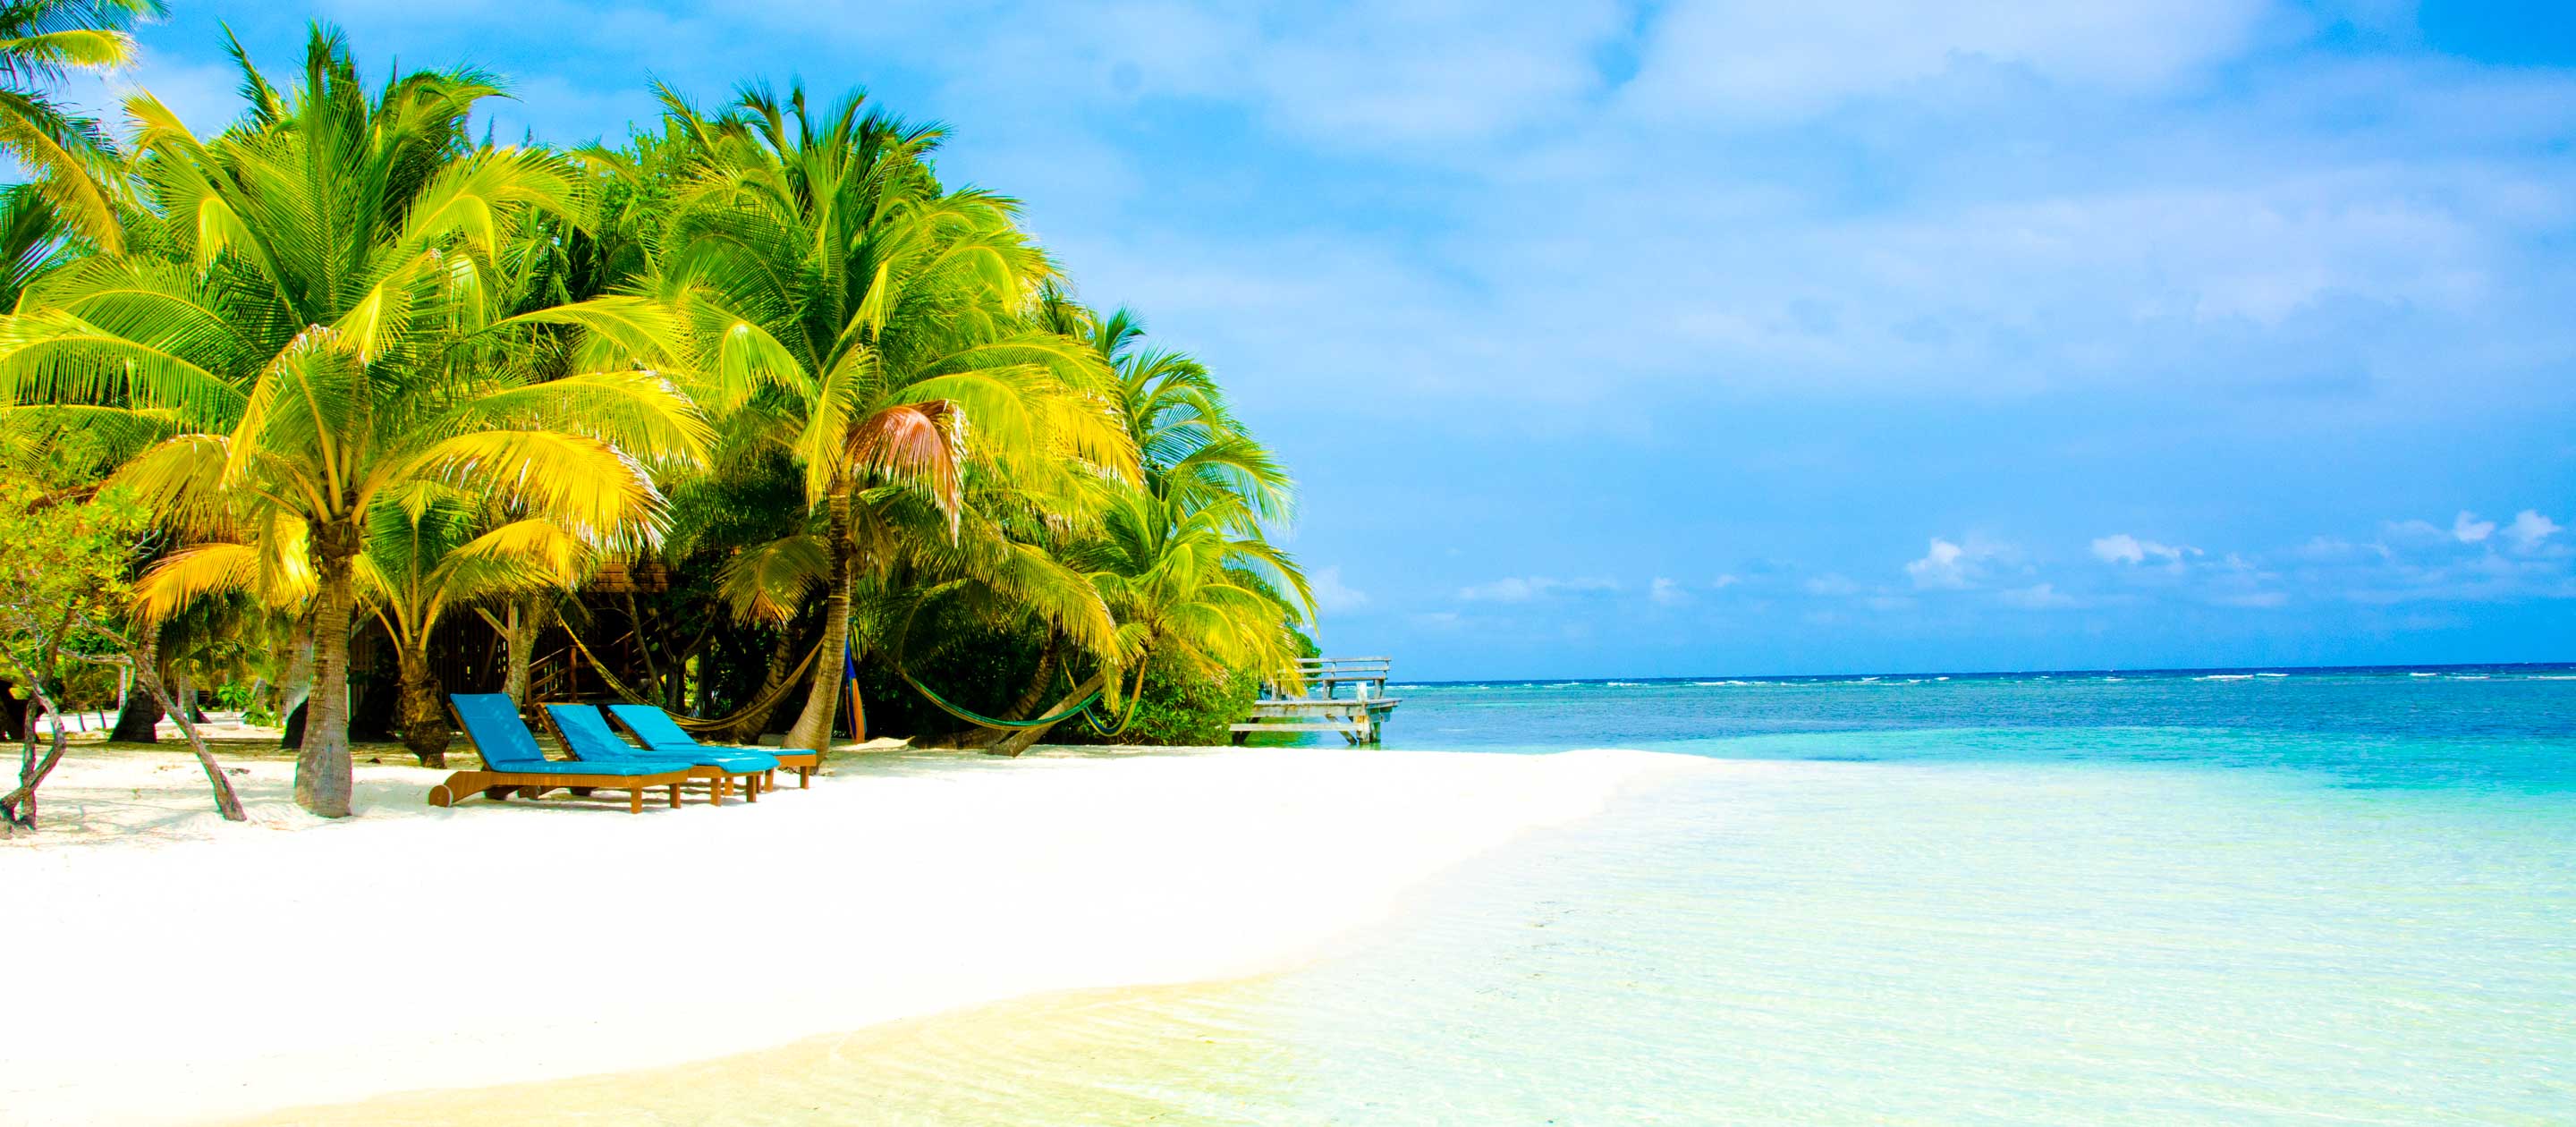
{"points": [[174, 968]]}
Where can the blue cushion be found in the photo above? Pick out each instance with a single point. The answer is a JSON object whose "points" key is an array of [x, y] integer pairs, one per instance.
{"points": [[588, 735], [736, 761], [493, 723], [653, 726], [662, 737]]}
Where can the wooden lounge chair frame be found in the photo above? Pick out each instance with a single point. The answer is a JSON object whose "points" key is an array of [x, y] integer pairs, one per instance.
{"points": [[500, 785], [804, 763], [717, 780]]}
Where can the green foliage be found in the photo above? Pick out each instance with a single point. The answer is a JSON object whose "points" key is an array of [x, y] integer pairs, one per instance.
{"points": [[1179, 707], [981, 668], [72, 163], [66, 551], [361, 371]]}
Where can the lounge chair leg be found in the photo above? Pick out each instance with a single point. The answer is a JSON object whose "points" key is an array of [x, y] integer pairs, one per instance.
{"points": [[804, 778], [751, 788], [675, 796], [635, 800]]}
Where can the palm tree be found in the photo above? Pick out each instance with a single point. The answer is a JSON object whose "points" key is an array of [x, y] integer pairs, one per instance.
{"points": [[1193, 448], [1190, 590], [875, 321], [75, 169], [313, 306], [427, 551]]}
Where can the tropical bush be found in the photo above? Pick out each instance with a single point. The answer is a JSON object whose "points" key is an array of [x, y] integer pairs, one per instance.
{"points": [[1176, 706]]}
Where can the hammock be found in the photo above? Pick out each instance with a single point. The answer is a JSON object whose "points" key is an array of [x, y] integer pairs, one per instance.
{"points": [[694, 725], [993, 721], [1133, 699]]}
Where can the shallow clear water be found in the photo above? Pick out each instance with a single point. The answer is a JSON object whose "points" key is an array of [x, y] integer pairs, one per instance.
{"points": [[2317, 898]]}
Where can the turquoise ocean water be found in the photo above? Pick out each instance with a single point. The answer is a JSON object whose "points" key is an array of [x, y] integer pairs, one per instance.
{"points": [[2233, 897], [2241, 897]]}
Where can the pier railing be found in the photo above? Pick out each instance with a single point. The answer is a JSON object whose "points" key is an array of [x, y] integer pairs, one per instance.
{"points": [[1322, 706]]}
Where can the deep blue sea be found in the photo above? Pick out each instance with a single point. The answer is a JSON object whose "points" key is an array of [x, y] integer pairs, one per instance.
{"points": [[2486, 726]]}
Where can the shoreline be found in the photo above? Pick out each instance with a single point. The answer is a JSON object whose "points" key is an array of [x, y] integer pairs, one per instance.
{"points": [[211, 972]]}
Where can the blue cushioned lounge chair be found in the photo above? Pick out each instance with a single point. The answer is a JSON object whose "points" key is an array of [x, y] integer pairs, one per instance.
{"points": [[660, 736], [512, 761], [587, 733]]}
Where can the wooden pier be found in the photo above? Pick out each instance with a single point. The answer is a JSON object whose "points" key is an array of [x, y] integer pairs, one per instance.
{"points": [[1358, 716]]}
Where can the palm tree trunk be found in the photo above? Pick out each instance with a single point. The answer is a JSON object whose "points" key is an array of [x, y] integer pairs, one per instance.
{"points": [[323, 774], [522, 630], [297, 683], [751, 727], [424, 724], [644, 645], [1019, 709], [1024, 738], [813, 730], [136, 722]]}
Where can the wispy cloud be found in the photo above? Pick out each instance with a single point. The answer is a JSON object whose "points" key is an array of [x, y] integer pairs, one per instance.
{"points": [[2530, 530], [2121, 547], [1950, 565], [1830, 585], [1522, 589], [2037, 596], [1331, 594]]}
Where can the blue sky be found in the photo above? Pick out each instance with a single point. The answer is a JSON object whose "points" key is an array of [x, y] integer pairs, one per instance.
{"points": [[1663, 339]]}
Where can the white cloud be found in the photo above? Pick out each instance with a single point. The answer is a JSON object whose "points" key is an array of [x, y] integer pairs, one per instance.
{"points": [[1666, 592], [1946, 565], [1952, 565], [2121, 547], [1331, 594], [2468, 529], [2328, 548], [1521, 589], [2529, 528], [2257, 600], [2038, 596], [1723, 582]]}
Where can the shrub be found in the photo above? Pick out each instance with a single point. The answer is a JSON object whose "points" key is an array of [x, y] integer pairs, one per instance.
{"points": [[1178, 708]]}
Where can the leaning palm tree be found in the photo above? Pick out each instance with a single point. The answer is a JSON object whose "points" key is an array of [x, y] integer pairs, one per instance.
{"points": [[876, 321], [1189, 590], [311, 305], [74, 167], [1193, 448]]}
